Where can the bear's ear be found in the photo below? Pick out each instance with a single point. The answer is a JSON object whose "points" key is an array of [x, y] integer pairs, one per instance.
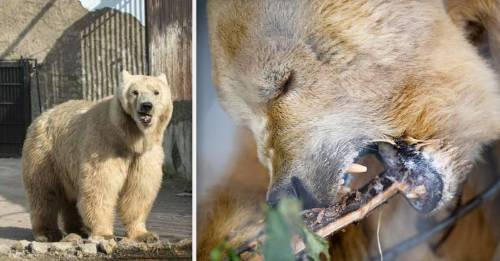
{"points": [[126, 76], [163, 78]]}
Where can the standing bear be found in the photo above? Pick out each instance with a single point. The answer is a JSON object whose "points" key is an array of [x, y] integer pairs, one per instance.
{"points": [[83, 159]]}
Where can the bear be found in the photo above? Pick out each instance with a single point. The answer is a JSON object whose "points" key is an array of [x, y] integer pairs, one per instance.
{"points": [[319, 83], [81, 160]]}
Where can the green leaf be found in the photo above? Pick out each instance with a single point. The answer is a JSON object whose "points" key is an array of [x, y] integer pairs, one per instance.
{"points": [[315, 245], [290, 210], [231, 254], [278, 237], [217, 254], [284, 222]]}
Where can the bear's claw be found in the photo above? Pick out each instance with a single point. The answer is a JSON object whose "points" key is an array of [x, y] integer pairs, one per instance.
{"points": [[101, 237], [72, 237], [148, 237]]}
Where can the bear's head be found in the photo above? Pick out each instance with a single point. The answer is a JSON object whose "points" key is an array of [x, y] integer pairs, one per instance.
{"points": [[146, 99], [319, 83]]}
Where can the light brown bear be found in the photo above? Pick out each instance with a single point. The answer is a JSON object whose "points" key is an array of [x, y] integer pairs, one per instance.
{"points": [[83, 159]]}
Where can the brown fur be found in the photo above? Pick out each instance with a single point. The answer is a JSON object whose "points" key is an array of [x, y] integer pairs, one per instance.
{"points": [[317, 79], [83, 159]]}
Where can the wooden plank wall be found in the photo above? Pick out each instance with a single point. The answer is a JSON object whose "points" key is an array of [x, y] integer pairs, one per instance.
{"points": [[169, 42], [168, 36]]}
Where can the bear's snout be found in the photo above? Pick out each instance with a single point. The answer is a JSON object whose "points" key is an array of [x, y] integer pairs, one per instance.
{"points": [[146, 107]]}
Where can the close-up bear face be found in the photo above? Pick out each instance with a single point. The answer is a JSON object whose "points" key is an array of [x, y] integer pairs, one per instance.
{"points": [[322, 86], [145, 98]]}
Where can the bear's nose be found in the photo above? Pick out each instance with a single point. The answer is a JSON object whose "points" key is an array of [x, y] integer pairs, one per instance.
{"points": [[146, 106], [294, 189]]}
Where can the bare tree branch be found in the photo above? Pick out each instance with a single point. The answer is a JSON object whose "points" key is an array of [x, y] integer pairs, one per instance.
{"points": [[352, 208]]}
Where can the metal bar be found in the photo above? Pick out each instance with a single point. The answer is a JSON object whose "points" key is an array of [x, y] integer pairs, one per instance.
{"points": [[12, 123], [38, 86], [27, 94], [412, 242], [9, 65], [10, 84]]}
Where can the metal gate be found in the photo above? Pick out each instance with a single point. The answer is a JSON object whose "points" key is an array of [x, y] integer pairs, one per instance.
{"points": [[15, 105]]}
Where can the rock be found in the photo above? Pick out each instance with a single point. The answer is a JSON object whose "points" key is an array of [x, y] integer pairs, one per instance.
{"points": [[61, 246], [127, 243], [21, 245], [88, 248], [107, 246], [39, 248], [72, 237], [4, 250]]}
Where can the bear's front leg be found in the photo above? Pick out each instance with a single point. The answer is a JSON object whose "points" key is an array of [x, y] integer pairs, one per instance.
{"points": [[100, 185], [138, 194]]}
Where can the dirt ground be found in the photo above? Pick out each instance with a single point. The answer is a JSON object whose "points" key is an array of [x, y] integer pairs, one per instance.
{"points": [[170, 218]]}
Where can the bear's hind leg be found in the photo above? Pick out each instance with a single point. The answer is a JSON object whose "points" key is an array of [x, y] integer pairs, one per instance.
{"points": [[44, 196], [72, 220], [45, 206]]}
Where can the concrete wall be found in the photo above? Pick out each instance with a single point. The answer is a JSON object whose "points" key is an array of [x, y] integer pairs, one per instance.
{"points": [[80, 53]]}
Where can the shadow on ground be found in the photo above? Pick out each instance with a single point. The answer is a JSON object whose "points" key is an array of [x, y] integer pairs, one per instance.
{"points": [[15, 233]]}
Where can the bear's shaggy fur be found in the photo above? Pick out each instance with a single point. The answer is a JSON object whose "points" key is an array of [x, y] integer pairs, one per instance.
{"points": [[83, 159]]}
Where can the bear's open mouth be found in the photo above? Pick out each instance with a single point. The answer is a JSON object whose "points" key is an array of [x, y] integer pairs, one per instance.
{"points": [[404, 163], [145, 118]]}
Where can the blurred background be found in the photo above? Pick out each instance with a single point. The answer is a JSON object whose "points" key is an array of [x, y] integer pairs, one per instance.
{"points": [[216, 132]]}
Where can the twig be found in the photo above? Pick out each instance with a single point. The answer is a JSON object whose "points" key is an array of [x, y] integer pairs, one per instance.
{"points": [[352, 208], [379, 245]]}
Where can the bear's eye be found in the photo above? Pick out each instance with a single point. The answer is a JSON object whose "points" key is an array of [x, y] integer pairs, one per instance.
{"points": [[156, 92], [135, 92], [276, 84]]}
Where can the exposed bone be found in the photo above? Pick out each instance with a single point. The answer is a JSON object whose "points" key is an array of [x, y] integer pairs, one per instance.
{"points": [[356, 168]]}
